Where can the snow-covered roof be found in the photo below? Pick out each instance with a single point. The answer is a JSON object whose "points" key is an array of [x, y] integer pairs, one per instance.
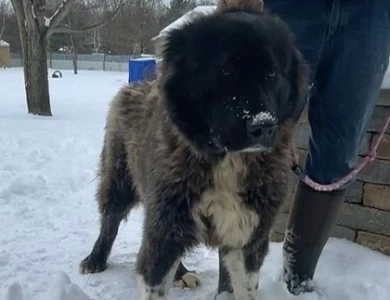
{"points": [[4, 43], [142, 58], [201, 9]]}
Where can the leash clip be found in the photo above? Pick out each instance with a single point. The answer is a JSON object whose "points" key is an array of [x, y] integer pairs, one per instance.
{"points": [[297, 170]]}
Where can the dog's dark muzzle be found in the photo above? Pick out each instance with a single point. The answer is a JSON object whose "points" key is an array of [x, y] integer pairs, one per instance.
{"points": [[262, 134]]}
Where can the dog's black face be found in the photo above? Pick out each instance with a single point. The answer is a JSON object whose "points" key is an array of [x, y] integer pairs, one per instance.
{"points": [[232, 79]]}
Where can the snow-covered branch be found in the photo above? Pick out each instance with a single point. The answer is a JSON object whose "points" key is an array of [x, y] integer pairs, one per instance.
{"points": [[32, 10], [47, 21], [29, 13], [59, 14]]}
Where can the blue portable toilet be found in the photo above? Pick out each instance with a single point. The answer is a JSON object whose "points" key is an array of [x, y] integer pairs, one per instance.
{"points": [[142, 68]]}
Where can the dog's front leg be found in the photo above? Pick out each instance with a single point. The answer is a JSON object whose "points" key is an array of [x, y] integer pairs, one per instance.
{"points": [[224, 283], [158, 287], [243, 266], [243, 280], [168, 231]]}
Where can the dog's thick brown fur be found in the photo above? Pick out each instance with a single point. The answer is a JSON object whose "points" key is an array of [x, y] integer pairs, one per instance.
{"points": [[194, 192]]}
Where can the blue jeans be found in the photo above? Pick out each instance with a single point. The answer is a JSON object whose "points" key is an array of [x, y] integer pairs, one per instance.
{"points": [[347, 44]]}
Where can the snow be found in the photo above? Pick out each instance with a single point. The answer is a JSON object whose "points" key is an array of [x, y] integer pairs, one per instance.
{"points": [[4, 43], [58, 10], [47, 21], [49, 218], [143, 58], [261, 117], [33, 12]]}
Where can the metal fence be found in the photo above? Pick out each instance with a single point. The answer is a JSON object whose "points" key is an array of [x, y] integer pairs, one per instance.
{"points": [[64, 61]]}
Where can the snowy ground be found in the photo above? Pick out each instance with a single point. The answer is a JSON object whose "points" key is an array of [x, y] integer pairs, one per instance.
{"points": [[49, 220]]}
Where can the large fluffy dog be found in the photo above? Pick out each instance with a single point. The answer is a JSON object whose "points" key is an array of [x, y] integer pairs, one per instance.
{"points": [[206, 148]]}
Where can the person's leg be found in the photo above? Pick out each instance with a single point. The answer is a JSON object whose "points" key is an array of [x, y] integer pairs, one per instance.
{"points": [[308, 21], [348, 78]]}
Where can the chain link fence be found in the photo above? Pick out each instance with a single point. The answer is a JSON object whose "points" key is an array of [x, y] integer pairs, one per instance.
{"points": [[64, 61]]}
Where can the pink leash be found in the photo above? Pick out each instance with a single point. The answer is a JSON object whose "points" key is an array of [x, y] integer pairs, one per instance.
{"points": [[370, 156]]}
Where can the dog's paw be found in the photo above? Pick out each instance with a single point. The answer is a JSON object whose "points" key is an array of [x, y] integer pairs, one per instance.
{"points": [[91, 265], [188, 280], [224, 296]]}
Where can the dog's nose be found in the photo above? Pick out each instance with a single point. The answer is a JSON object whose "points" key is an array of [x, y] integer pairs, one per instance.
{"points": [[262, 133]]}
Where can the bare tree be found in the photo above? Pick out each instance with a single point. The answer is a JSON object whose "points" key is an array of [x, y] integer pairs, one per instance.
{"points": [[133, 30], [2, 28], [81, 14], [35, 30], [4, 11]]}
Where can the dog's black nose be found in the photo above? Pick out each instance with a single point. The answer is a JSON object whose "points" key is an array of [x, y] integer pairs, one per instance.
{"points": [[262, 133]]}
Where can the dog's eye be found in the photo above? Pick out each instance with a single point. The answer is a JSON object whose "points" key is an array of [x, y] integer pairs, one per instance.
{"points": [[227, 71], [271, 75]]}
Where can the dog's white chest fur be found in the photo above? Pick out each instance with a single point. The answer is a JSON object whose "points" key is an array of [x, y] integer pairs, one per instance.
{"points": [[231, 222]]}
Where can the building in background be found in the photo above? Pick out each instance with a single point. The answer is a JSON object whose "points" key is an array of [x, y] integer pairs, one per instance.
{"points": [[5, 55]]}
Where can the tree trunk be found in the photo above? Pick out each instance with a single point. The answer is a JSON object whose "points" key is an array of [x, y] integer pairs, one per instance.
{"points": [[74, 46], [35, 30], [49, 52], [35, 73], [34, 50], [2, 28], [142, 48]]}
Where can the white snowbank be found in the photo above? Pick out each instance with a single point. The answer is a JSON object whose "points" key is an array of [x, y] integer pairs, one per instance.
{"points": [[49, 219]]}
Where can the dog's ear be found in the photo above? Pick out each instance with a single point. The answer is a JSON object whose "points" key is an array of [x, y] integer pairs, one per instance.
{"points": [[299, 78], [174, 47], [176, 50]]}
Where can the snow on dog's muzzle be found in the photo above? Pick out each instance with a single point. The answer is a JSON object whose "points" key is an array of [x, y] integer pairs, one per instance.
{"points": [[262, 129]]}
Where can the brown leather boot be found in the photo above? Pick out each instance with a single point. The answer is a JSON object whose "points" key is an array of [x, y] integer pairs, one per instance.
{"points": [[312, 217]]}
